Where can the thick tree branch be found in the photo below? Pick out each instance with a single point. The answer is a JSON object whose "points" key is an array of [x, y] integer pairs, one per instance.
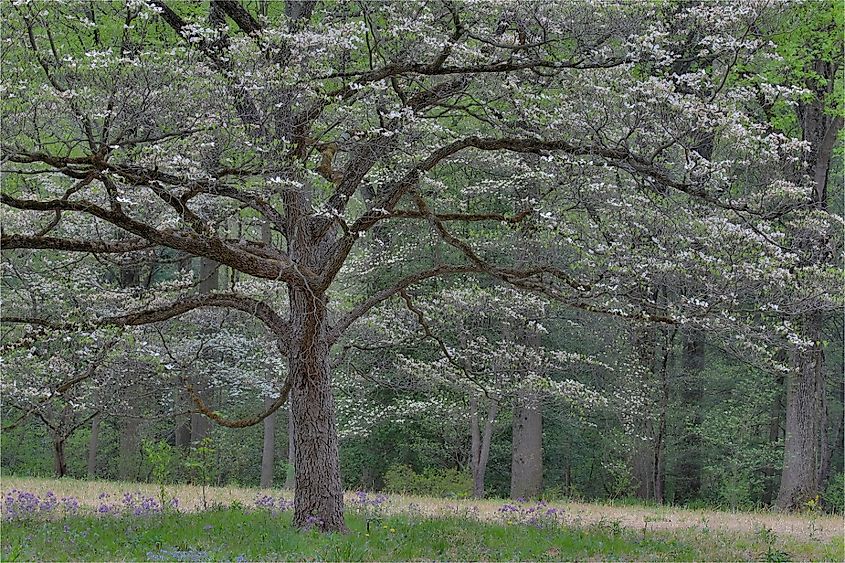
{"points": [[204, 409], [263, 312], [258, 309], [8, 242], [239, 256]]}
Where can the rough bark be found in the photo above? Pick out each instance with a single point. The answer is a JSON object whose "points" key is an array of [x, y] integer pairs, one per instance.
{"points": [[527, 448], [93, 444], [831, 443], [269, 448], [805, 425], [319, 492], [290, 476]]}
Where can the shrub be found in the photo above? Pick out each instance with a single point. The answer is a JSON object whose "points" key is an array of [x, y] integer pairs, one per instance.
{"points": [[834, 494], [439, 482], [160, 456]]}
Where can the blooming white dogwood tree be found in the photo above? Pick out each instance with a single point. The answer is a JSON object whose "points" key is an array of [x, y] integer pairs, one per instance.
{"points": [[589, 152]]}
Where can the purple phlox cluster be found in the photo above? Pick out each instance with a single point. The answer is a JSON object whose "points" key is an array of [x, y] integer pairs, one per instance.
{"points": [[140, 505], [104, 507], [178, 555], [49, 502], [538, 514], [273, 505], [369, 505], [362, 501], [23, 504], [19, 504], [70, 504], [135, 504]]}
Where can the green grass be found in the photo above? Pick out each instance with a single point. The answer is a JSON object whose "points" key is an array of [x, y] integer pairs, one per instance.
{"points": [[229, 533]]}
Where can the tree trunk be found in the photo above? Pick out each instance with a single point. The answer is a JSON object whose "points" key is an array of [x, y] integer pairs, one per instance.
{"points": [[527, 448], [290, 476], [831, 442], [130, 445], [183, 423], [805, 405], [367, 478], [474, 446], [642, 468], [268, 451], [643, 454], [688, 486], [93, 444], [209, 282], [659, 476], [770, 472], [59, 461], [805, 430], [480, 453], [319, 491]]}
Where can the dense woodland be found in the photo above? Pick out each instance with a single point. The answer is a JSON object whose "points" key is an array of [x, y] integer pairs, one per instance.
{"points": [[529, 249]]}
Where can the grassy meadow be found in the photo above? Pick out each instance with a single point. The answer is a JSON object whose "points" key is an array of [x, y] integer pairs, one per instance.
{"points": [[242, 524]]}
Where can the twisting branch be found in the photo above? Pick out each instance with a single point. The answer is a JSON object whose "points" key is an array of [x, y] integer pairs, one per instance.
{"points": [[361, 309], [204, 409], [260, 310], [429, 334]]}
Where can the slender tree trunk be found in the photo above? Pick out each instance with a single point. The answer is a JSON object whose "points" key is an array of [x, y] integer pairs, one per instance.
{"points": [[689, 469], [367, 479], [474, 446], [59, 460], [269, 450], [527, 448], [480, 454], [209, 282], [93, 444], [659, 476], [183, 423], [643, 467], [319, 491], [776, 414]]}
